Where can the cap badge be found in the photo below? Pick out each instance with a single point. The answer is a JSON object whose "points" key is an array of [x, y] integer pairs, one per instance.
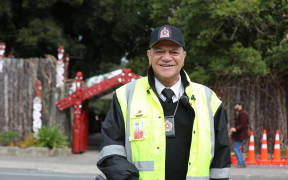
{"points": [[165, 33]]}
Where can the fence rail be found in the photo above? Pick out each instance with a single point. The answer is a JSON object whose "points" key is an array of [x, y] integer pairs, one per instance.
{"points": [[17, 91]]}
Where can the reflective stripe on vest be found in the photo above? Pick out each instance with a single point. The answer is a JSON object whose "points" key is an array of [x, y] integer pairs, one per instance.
{"points": [[208, 94], [129, 90]]}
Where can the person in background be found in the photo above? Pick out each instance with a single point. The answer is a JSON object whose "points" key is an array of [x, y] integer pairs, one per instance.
{"points": [[239, 132], [163, 126]]}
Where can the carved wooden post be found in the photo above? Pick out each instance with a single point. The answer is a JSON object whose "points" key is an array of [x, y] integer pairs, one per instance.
{"points": [[60, 68], [2, 49], [2, 55], [77, 113], [66, 61], [37, 108]]}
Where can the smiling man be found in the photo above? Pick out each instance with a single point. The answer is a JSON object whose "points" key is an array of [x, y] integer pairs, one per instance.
{"points": [[163, 126], [166, 59]]}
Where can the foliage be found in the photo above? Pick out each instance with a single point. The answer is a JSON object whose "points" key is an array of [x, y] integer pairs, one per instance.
{"points": [[8, 137], [223, 38], [92, 32], [199, 75], [51, 137], [277, 59], [232, 38], [41, 34], [139, 65], [27, 141], [239, 61], [99, 106]]}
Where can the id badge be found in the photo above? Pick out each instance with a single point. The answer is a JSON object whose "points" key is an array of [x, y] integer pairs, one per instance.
{"points": [[169, 126], [138, 130]]}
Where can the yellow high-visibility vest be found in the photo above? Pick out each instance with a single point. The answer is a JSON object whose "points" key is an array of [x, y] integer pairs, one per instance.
{"points": [[145, 141]]}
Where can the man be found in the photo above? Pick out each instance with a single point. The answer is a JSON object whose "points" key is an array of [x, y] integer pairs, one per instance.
{"points": [[163, 126], [239, 132]]}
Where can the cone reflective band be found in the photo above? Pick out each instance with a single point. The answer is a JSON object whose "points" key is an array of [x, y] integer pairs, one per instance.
{"points": [[251, 152], [277, 154], [264, 151], [264, 146]]}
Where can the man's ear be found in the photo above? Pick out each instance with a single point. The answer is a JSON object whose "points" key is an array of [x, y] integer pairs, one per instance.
{"points": [[184, 56], [149, 56]]}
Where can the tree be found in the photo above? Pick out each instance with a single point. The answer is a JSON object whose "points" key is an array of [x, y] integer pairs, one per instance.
{"points": [[228, 38], [93, 32], [223, 37]]}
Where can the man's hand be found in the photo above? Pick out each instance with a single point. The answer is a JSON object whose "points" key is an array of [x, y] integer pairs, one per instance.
{"points": [[232, 130]]}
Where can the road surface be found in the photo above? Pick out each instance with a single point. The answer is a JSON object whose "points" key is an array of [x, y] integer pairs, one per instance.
{"points": [[17, 174], [249, 173]]}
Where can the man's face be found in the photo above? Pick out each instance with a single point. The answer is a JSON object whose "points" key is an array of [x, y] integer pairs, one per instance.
{"points": [[237, 107], [167, 59]]}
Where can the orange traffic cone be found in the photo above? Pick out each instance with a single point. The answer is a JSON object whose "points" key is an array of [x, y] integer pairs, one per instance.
{"points": [[264, 151], [277, 154], [251, 151], [233, 158]]}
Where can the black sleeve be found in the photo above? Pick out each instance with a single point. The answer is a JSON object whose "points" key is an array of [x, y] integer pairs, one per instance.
{"points": [[221, 160], [115, 167]]}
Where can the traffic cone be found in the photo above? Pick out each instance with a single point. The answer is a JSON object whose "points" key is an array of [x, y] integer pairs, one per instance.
{"points": [[264, 151], [277, 154], [251, 152], [233, 158]]}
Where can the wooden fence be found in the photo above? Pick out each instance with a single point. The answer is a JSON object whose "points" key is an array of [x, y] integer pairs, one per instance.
{"points": [[266, 103], [17, 91], [265, 100]]}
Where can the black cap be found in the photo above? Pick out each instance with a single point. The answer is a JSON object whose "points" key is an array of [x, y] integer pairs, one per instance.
{"points": [[167, 32], [239, 102]]}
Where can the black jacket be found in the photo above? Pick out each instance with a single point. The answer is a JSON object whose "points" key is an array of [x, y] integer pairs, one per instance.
{"points": [[117, 167]]}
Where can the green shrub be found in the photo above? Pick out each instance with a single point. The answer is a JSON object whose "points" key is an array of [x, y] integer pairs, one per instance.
{"points": [[51, 137], [8, 137]]}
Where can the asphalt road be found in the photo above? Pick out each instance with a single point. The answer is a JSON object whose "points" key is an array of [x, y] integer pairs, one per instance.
{"points": [[249, 173], [16, 174], [258, 172]]}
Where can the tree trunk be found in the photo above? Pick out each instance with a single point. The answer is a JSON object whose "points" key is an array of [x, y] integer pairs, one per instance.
{"points": [[265, 101]]}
